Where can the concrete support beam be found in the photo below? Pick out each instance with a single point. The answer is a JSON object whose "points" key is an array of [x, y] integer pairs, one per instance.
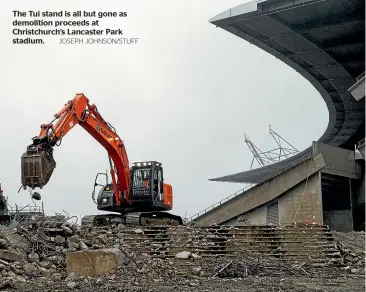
{"points": [[263, 193], [339, 161], [361, 148], [358, 89]]}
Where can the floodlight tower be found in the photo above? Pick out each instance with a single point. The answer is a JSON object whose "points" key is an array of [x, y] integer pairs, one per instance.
{"points": [[283, 150]]}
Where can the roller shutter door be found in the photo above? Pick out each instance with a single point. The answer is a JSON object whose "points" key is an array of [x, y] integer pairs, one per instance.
{"points": [[272, 213]]}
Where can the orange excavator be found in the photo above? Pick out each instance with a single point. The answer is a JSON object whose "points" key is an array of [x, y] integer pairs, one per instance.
{"points": [[137, 195]]}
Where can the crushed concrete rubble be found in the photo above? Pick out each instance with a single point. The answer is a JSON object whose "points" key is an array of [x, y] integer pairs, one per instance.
{"points": [[52, 253], [352, 248]]}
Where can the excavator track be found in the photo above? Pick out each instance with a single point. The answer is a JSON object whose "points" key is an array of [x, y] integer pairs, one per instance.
{"points": [[160, 219], [139, 219], [132, 219], [108, 219]]}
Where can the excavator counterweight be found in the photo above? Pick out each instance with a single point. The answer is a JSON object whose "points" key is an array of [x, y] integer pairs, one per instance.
{"points": [[137, 194]]}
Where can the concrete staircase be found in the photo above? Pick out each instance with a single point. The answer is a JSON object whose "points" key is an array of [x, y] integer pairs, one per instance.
{"points": [[312, 244]]}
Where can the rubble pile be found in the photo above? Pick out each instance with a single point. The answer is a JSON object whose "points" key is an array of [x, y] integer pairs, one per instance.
{"points": [[35, 253], [36, 249], [249, 266], [352, 248], [40, 252], [246, 265]]}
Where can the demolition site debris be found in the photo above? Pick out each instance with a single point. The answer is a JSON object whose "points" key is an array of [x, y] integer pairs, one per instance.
{"points": [[53, 253]]}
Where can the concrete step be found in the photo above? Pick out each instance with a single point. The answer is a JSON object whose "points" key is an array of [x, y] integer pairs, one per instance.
{"points": [[311, 243]]}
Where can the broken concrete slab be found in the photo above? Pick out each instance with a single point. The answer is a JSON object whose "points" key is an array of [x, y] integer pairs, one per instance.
{"points": [[12, 256], [3, 244], [183, 255], [14, 239], [91, 263], [41, 234]]}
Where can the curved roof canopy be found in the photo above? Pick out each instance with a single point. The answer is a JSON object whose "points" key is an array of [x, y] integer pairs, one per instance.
{"points": [[322, 40]]}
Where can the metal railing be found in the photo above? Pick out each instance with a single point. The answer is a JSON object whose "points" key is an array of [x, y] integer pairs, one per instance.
{"points": [[26, 210], [220, 202]]}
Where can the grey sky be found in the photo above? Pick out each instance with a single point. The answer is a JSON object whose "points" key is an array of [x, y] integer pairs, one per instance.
{"points": [[184, 96]]}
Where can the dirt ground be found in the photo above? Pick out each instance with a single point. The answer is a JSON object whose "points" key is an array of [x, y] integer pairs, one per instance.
{"points": [[299, 284]]}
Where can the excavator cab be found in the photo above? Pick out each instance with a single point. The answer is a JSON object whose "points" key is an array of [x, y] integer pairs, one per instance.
{"points": [[150, 196], [147, 186], [147, 192]]}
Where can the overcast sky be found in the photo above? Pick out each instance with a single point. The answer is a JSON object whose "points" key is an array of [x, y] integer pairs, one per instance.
{"points": [[184, 96]]}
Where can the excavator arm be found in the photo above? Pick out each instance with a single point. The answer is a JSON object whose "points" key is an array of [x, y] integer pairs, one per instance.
{"points": [[38, 162]]}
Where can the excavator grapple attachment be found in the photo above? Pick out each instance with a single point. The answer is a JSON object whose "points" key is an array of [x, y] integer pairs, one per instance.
{"points": [[37, 166]]}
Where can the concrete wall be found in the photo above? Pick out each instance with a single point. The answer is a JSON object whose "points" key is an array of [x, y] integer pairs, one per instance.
{"points": [[257, 216], [261, 194], [295, 202], [302, 203], [339, 161]]}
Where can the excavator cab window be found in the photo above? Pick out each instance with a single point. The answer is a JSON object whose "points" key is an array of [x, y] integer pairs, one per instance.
{"points": [[141, 181], [158, 186]]}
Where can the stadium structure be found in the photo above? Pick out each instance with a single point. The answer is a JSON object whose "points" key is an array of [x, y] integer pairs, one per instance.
{"points": [[324, 41]]}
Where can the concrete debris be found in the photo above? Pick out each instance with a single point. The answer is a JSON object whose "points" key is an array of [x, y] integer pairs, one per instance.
{"points": [[183, 255], [87, 220], [352, 248], [12, 256], [64, 257], [72, 285], [14, 239], [33, 257], [93, 262], [139, 231]]}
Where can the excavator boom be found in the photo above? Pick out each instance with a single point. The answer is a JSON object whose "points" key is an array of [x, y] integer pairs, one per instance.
{"points": [[38, 163]]}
